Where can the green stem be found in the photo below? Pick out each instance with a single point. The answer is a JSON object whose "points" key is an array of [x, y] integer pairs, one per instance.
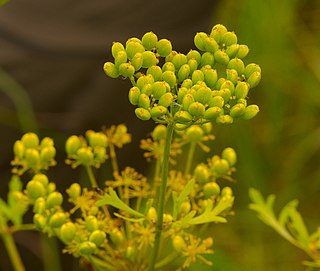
{"points": [[91, 176], [190, 158], [114, 161], [13, 252], [160, 201]]}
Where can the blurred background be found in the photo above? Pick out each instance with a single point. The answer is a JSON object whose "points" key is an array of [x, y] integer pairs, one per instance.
{"points": [[52, 82]]}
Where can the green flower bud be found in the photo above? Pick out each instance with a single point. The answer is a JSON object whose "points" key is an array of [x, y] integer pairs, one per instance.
{"points": [[46, 142], [40, 221], [155, 71], [98, 237], [220, 167], [92, 223], [203, 95], [178, 243], [187, 100], [193, 65], [110, 70], [194, 133], [232, 50], [54, 199], [210, 77], [117, 237], [185, 208], [232, 75], [243, 51], [144, 101], [187, 83], [67, 232], [221, 57], [224, 119], [225, 93], [87, 248], [250, 112], [18, 149], [194, 54], [254, 79], [42, 178], [159, 88], [168, 66], [35, 189], [120, 58], [47, 154], [212, 113], [74, 191], [149, 59], [85, 155], [134, 47], [236, 64], [126, 70], [237, 110], [182, 117], [100, 153], [73, 144], [152, 215], [241, 90], [216, 101], [184, 72], [229, 38], [30, 140], [211, 189], [230, 155], [159, 132], [218, 31], [116, 48], [97, 139], [133, 95], [142, 113], [210, 45], [133, 39], [164, 47], [197, 76], [250, 69], [226, 192], [227, 84], [147, 89], [196, 109], [166, 99], [242, 101], [178, 60], [149, 40], [181, 93], [167, 218], [51, 187], [57, 219], [170, 78], [39, 205], [137, 61], [219, 83], [207, 59], [143, 80], [199, 39]]}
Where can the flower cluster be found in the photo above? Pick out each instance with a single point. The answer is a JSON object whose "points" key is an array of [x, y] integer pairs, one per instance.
{"points": [[210, 83]]}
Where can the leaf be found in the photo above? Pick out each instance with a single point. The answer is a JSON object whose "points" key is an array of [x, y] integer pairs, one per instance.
{"points": [[177, 201], [299, 228]]}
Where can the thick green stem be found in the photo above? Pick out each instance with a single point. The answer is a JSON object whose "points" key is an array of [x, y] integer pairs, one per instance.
{"points": [[91, 176], [13, 252], [161, 200], [190, 158]]}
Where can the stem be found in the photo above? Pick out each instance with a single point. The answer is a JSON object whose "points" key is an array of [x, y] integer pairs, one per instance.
{"points": [[160, 205], [190, 158], [91, 176], [13, 252], [114, 161]]}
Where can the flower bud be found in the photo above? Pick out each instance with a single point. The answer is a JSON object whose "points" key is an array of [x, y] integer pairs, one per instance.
{"points": [[232, 75], [187, 100], [194, 133], [51, 187], [149, 40], [42, 178], [149, 59], [166, 99], [110, 70], [87, 248], [144, 80], [137, 61], [167, 218], [169, 77], [221, 57], [193, 65], [116, 48], [194, 54], [30, 140], [92, 223], [241, 90], [250, 112], [183, 72], [39, 220], [230, 155], [182, 117], [220, 167], [18, 149], [73, 143], [97, 139], [232, 50], [159, 88], [250, 69], [229, 38], [236, 64], [210, 77], [178, 243], [54, 199], [210, 45], [212, 113], [178, 60], [142, 113], [74, 191], [225, 93], [133, 39], [207, 58], [57, 219], [254, 79], [197, 76], [147, 89], [203, 95], [216, 101], [46, 142], [159, 132], [98, 237], [224, 119], [47, 154], [158, 111], [211, 189], [85, 155], [155, 71], [67, 232], [187, 83], [117, 237], [35, 189], [226, 191], [237, 110], [134, 47], [196, 109], [152, 215], [144, 101], [199, 39], [218, 31], [126, 70], [164, 47], [243, 51], [39, 205]]}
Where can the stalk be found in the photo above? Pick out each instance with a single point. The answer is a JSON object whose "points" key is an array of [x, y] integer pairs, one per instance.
{"points": [[161, 199], [190, 157], [91, 176]]}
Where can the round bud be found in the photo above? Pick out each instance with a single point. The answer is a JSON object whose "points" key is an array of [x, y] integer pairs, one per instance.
{"points": [[149, 59], [40, 221], [142, 113], [210, 45], [134, 47], [92, 223], [159, 88], [147, 89], [97, 139], [166, 99], [229, 38], [167, 218], [98, 237], [243, 51], [233, 50], [183, 117], [164, 47], [207, 58], [87, 248], [144, 101], [35, 189], [152, 215], [232, 76], [183, 72], [67, 232], [219, 83], [149, 40], [51, 187], [30, 140], [39, 205], [187, 100], [73, 143], [221, 57], [199, 39], [137, 61], [126, 70], [185, 208], [197, 76], [168, 66], [178, 60], [225, 93], [193, 65], [133, 39], [120, 58], [116, 48], [117, 237], [242, 101], [169, 77], [196, 109], [110, 70], [212, 113], [42, 178], [216, 101], [47, 154], [218, 31], [226, 192], [46, 142], [133, 95], [250, 112], [236, 64], [159, 132], [100, 153], [220, 167], [181, 93], [85, 155], [74, 191], [203, 95], [194, 133], [237, 110], [57, 219], [241, 90], [211, 189], [254, 79], [230, 155], [18, 149], [155, 71], [224, 119], [54, 199], [143, 80], [227, 84], [187, 83], [210, 77], [194, 54], [178, 243], [250, 69]]}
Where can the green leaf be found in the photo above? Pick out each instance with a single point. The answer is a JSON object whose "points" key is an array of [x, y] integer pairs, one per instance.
{"points": [[177, 201]]}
